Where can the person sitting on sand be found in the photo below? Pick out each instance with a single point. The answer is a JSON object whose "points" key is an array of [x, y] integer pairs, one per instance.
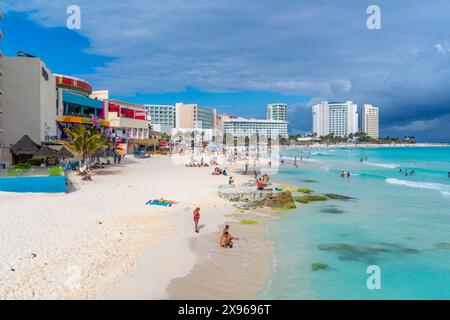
{"points": [[224, 172], [231, 181], [259, 185], [226, 241], [227, 229]]}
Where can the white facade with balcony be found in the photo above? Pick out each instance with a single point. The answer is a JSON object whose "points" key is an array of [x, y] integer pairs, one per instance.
{"points": [[338, 118], [241, 127]]}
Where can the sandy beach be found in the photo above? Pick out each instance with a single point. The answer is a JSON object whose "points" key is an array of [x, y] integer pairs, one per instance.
{"points": [[101, 241]]}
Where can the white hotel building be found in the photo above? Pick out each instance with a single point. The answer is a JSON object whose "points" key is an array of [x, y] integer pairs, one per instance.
{"points": [[277, 111], [370, 122], [338, 118], [240, 127], [163, 117]]}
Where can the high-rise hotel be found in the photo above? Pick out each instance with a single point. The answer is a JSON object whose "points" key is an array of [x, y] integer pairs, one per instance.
{"points": [[370, 122], [277, 112], [339, 118]]}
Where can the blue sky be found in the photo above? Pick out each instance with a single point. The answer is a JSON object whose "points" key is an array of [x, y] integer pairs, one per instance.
{"points": [[237, 56]]}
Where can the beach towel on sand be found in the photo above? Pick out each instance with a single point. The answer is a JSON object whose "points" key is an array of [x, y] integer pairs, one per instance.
{"points": [[163, 203]]}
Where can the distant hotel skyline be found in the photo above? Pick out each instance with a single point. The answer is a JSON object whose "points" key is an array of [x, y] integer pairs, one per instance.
{"points": [[343, 119]]}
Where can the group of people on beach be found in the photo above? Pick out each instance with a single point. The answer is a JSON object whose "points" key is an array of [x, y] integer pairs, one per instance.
{"points": [[219, 172], [226, 239], [262, 183], [117, 157], [196, 165], [406, 172], [348, 174]]}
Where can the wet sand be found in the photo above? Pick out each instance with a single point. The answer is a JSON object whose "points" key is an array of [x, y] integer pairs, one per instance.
{"points": [[220, 273]]}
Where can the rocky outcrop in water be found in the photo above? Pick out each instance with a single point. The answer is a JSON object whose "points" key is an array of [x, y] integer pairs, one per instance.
{"points": [[248, 194]]}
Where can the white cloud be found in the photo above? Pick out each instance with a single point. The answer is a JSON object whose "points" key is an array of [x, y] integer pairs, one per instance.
{"points": [[318, 48]]}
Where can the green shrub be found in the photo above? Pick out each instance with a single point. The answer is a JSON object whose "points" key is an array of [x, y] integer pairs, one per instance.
{"points": [[56, 171], [13, 172], [24, 166], [34, 162]]}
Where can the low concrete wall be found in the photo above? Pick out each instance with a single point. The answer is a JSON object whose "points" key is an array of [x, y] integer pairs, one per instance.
{"points": [[33, 184]]}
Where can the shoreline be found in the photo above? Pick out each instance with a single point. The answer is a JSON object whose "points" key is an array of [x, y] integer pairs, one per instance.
{"points": [[239, 273], [365, 145], [202, 269]]}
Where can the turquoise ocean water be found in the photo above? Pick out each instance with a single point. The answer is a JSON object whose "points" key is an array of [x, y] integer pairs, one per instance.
{"points": [[400, 223]]}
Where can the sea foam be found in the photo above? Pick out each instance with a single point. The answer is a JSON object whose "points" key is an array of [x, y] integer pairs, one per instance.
{"points": [[384, 165], [442, 188]]}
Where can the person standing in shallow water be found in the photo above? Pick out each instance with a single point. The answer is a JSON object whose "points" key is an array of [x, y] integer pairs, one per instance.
{"points": [[196, 218]]}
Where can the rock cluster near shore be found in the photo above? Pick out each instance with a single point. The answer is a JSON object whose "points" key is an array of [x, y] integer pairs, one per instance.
{"points": [[247, 194]]}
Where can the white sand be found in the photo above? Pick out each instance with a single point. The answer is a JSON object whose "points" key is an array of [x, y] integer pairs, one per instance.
{"points": [[83, 244]]}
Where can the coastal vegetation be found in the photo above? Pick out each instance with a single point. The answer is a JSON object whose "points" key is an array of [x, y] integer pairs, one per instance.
{"points": [[312, 198], [85, 143], [334, 196], [318, 266], [245, 221]]}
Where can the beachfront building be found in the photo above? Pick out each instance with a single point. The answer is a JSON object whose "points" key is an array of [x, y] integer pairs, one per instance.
{"points": [[241, 127], [194, 118], [28, 100], [221, 118], [5, 157], [76, 107], [128, 120], [277, 112], [162, 116], [370, 122], [189, 116], [338, 118]]}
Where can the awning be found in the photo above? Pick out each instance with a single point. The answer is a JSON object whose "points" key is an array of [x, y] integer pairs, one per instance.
{"points": [[81, 100]]}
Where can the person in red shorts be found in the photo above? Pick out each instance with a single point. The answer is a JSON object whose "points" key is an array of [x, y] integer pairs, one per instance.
{"points": [[196, 218]]}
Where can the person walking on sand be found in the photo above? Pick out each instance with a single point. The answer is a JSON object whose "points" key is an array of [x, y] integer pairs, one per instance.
{"points": [[196, 218]]}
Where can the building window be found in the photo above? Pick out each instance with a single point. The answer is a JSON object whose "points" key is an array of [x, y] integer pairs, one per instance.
{"points": [[44, 74]]}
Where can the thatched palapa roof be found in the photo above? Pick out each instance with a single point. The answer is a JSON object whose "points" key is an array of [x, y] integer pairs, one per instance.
{"points": [[25, 146], [46, 152], [64, 153]]}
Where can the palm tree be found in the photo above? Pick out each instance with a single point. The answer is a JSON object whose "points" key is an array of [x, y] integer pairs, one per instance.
{"points": [[85, 142]]}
